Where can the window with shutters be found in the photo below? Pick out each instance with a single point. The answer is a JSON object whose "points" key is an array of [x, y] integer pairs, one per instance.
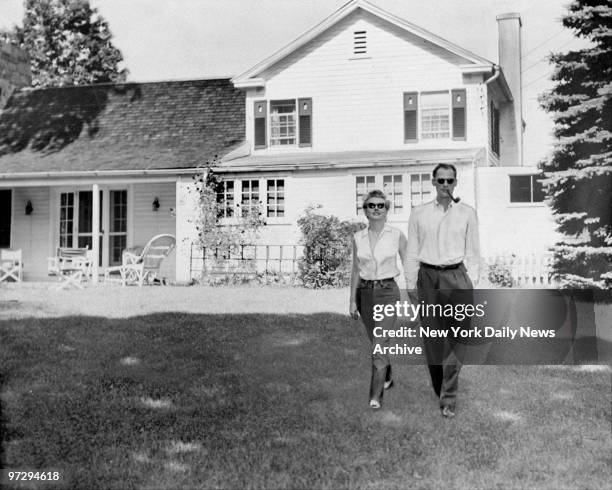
{"points": [[289, 123], [435, 115], [526, 188], [421, 190], [283, 122]]}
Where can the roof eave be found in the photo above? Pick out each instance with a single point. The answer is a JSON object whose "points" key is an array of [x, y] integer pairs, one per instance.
{"points": [[93, 174]]}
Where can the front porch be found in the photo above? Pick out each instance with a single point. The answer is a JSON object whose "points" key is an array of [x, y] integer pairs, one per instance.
{"points": [[41, 215]]}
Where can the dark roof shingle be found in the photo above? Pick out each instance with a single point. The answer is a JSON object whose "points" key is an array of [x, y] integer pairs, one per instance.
{"points": [[131, 126]]}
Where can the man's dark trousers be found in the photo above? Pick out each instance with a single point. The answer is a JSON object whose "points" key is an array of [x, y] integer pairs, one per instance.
{"points": [[443, 287]]}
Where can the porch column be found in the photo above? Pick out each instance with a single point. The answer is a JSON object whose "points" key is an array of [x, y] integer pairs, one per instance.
{"points": [[95, 234]]}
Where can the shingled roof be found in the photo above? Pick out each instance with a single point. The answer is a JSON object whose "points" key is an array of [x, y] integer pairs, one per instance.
{"points": [[131, 126]]}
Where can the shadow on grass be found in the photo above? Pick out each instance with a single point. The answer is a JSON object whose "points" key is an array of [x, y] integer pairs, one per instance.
{"points": [[179, 400]]}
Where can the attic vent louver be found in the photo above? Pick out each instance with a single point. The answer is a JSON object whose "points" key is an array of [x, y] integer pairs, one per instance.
{"points": [[359, 42]]}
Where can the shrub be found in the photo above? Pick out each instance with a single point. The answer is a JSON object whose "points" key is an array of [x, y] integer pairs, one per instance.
{"points": [[327, 250], [499, 274]]}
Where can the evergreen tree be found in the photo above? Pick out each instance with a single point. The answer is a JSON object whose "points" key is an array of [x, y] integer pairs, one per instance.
{"points": [[579, 171], [69, 43]]}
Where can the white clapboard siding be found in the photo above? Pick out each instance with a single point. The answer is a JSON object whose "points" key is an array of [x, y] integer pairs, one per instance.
{"points": [[358, 102], [148, 223]]}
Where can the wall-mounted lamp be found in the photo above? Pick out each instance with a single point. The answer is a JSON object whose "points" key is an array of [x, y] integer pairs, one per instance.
{"points": [[29, 208], [155, 205]]}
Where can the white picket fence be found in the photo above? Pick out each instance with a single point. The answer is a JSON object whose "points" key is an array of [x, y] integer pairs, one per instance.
{"points": [[526, 271]]}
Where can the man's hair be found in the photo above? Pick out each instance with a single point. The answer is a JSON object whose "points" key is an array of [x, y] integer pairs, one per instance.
{"points": [[375, 193], [446, 166]]}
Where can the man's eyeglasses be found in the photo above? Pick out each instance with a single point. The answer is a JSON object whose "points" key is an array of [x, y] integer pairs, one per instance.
{"points": [[448, 181], [376, 205]]}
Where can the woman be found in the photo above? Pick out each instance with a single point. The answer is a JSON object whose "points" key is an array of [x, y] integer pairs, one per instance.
{"points": [[375, 251]]}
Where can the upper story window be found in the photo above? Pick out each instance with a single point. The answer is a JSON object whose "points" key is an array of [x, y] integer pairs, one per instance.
{"points": [[283, 122], [434, 115], [289, 123], [526, 188]]}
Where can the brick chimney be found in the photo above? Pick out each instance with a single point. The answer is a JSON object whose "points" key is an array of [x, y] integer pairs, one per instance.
{"points": [[509, 46], [14, 71]]}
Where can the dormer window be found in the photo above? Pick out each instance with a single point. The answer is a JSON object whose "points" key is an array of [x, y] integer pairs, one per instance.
{"points": [[360, 42], [282, 122], [286, 123]]}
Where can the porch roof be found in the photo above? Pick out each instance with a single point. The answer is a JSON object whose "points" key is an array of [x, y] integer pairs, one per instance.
{"points": [[127, 127], [347, 159]]}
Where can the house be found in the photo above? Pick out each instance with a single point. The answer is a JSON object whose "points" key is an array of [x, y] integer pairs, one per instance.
{"points": [[112, 157], [363, 100], [368, 100]]}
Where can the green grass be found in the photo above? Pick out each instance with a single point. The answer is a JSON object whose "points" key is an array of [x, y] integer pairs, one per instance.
{"points": [[279, 400]]}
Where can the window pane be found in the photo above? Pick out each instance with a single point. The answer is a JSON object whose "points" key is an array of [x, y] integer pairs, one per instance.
{"points": [[435, 115], [420, 189], [520, 188], [282, 122], [539, 194], [363, 185]]}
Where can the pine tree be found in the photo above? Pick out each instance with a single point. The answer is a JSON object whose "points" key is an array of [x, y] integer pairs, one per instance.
{"points": [[579, 171], [69, 43]]}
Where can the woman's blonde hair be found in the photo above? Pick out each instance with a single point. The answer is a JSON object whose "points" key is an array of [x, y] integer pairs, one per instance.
{"points": [[375, 193]]}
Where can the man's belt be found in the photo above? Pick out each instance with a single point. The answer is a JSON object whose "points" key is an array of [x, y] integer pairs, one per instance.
{"points": [[373, 283], [441, 267]]}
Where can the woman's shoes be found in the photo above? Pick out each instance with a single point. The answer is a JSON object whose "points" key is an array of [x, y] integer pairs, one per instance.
{"points": [[388, 379]]}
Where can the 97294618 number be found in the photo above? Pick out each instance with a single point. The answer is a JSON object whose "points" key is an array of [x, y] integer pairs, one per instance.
{"points": [[33, 475]]}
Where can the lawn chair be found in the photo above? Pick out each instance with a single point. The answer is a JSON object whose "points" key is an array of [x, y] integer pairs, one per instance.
{"points": [[10, 265], [72, 266], [138, 268]]}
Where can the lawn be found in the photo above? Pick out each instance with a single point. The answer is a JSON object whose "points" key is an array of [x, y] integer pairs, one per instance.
{"points": [[267, 388]]}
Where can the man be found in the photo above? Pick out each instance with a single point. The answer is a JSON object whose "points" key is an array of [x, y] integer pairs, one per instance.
{"points": [[443, 264]]}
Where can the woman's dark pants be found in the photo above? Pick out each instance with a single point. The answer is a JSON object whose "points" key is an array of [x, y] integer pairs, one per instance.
{"points": [[371, 293]]}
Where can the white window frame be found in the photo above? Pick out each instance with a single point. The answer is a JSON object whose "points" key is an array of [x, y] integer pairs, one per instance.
{"points": [[424, 182], [531, 202], [272, 198], [227, 211], [284, 121], [376, 180], [438, 134], [262, 198]]}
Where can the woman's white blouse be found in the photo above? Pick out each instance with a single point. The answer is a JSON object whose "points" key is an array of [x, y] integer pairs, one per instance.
{"points": [[380, 261]]}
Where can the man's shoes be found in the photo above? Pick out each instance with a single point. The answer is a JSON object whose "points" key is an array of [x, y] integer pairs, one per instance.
{"points": [[388, 384], [448, 412], [374, 404]]}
